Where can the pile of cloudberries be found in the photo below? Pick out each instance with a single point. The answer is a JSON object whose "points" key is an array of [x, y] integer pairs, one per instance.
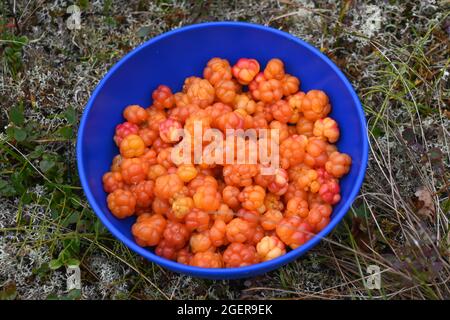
{"points": [[227, 215]]}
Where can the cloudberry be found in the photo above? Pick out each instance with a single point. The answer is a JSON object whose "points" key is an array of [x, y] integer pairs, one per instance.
{"points": [[240, 255], [181, 99], [159, 145], [148, 136], [143, 191], [207, 198], [176, 234], [189, 81], [201, 118], [135, 114], [168, 185], [295, 101], [155, 117], [263, 180], [239, 230], [253, 217], [292, 151], [170, 130], [294, 191], [148, 229], [290, 84], [264, 109], [116, 163], [297, 207], [165, 250], [316, 153], [268, 91], [217, 233], [308, 180], [326, 128], [315, 105], [200, 242], [207, 260], [258, 234], [230, 197], [134, 170], [226, 91], [293, 232], [197, 220], [164, 158], [245, 70], [217, 70], [229, 120], [184, 256], [270, 247], [181, 206], [239, 174], [283, 132], [112, 181], [279, 183], [319, 216], [272, 201], [187, 172], [149, 156], [121, 203], [281, 111], [155, 171], [201, 93], [216, 110], [305, 127], [182, 113], [252, 197], [123, 130], [132, 146], [338, 164], [160, 206], [270, 219], [202, 180], [163, 97], [274, 69], [244, 101], [224, 213], [329, 191]]}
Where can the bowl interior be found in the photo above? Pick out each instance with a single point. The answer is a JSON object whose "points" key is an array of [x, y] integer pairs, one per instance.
{"points": [[169, 59]]}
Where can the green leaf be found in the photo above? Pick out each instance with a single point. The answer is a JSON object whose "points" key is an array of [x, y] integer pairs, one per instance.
{"points": [[16, 115], [65, 132], [46, 165], [20, 134], [73, 262], [55, 264], [71, 116]]}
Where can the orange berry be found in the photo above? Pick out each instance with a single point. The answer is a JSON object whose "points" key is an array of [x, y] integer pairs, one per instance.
{"points": [[226, 91], [135, 114], [155, 171], [217, 70], [184, 256], [181, 100], [279, 183], [187, 172], [274, 69], [123, 130], [143, 191], [197, 220], [224, 213], [132, 146], [283, 132], [166, 251], [116, 163], [207, 198], [240, 255], [240, 174], [134, 170], [292, 151], [200, 242], [182, 113], [121, 203], [252, 197], [305, 127], [290, 84], [181, 206], [245, 70], [319, 216], [316, 153], [202, 180], [176, 234], [148, 136], [155, 117], [338, 164], [293, 232], [243, 101], [112, 181], [163, 97], [281, 111], [164, 158], [272, 201], [160, 206], [217, 233], [308, 180], [239, 230], [326, 128], [207, 260], [148, 229], [268, 91], [297, 207], [230, 197], [168, 185], [201, 93], [170, 130], [270, 247], [270, 219], [315, 105]]}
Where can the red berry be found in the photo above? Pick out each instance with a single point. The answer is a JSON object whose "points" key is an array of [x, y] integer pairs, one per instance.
{"points": [[245, 70], [240, 255], [163, 97], [148, 229], [123, 130], [121, 203], [135, 114]]}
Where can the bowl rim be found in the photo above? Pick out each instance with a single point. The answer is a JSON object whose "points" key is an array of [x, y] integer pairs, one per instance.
{"points": [[223, 273]]}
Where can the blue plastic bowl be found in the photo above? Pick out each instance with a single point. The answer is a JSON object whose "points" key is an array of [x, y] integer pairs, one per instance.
{"points": [[169, 59]]}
